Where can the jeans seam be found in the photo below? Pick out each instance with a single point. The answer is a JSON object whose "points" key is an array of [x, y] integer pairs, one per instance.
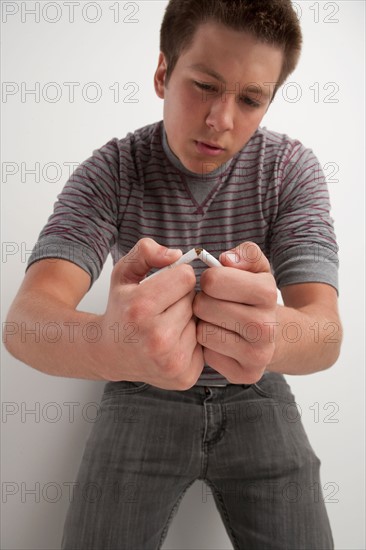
{"points": [[224, 514], [172, 514]]}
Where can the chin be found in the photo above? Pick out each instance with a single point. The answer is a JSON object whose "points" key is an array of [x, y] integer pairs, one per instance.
{"points": [[193, 167]]}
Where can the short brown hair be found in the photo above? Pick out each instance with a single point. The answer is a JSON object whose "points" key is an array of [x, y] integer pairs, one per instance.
{"points": [[271, 21]]}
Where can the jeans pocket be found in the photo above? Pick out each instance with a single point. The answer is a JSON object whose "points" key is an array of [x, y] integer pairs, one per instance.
{"points": [[260, 391], [273, 385], [124, 387]]}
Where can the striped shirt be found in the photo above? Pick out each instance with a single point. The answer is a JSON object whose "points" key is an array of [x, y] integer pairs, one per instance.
{"points": [[272, 192]]}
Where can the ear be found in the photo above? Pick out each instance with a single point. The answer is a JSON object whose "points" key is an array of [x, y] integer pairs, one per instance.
{"points": [[159, 77]]}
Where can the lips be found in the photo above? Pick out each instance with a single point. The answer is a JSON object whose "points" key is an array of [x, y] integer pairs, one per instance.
{"points": [[208, 149], [212, 145]]}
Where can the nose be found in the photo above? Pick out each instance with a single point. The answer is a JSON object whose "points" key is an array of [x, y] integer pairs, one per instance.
{"points": [[221, 115]]}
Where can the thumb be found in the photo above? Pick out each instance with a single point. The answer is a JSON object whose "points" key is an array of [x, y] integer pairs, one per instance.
{"points": [[246, 256], [146, 254]]}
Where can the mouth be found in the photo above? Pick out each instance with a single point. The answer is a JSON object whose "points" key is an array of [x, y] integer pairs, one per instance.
{"points": [[213, 146], [208, 149]]}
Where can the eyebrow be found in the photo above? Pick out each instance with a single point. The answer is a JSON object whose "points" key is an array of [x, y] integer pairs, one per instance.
{"points": [[251, 88], [203, 69]]}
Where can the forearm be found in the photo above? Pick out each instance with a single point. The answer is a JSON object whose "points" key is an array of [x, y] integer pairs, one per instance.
{"points": [[307, 340], [52, 337]]}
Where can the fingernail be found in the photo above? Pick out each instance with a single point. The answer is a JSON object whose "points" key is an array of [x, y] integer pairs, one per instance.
{"points": [[232, 257], [173, 251]]}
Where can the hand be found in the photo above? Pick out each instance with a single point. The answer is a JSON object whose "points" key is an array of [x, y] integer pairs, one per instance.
{"points": [[237, 314], [154, 324]]}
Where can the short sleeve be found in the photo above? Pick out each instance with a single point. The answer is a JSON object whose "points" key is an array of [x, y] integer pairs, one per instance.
{"points": [[84, 224], [303, 245]]}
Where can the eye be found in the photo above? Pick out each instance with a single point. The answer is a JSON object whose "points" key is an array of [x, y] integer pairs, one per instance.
{"points": [[248, 101], [206, 87]]}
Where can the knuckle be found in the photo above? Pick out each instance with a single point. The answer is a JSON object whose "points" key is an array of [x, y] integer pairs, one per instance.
{"points": [[116, 273], [197, 305], [187, 384], [144, 244], [207, 281], [253, 377], [271, 293], [138, 309], [186, 381], [181, 386], [261, 355], [268, 291], [177, 368], [159, 342], [188, 276]]}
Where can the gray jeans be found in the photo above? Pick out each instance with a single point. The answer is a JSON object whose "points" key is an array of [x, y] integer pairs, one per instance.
{"points": [[246, 443]]}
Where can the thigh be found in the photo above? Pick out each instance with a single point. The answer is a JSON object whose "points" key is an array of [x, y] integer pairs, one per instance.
{"points": [[264, 474], [136, 467]]}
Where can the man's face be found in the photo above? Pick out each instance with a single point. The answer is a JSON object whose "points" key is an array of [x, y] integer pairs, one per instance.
{"points": [[218, 93]]}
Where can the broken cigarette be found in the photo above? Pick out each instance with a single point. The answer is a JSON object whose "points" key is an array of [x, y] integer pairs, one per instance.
{"points": [[187, 258]]}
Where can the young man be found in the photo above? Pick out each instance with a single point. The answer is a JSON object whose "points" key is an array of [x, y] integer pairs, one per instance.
{"points": [[193, 350]]}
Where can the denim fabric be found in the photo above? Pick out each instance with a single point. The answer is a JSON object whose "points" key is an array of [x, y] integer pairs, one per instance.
{"points": [[247, 444]]}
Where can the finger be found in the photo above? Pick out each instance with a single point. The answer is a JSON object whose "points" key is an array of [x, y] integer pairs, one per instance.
{"points": [[194, 361], [231, 315], [254, 350], [178, 314], [146, 254], [168, 288], [183, 357], [218, 338], [163, 332], [247, 256], [231, 369], [239, 286]]}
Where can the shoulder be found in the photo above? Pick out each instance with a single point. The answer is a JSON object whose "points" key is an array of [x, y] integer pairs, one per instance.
{"points": [[270, 142], [279, 151], [126, 148]]}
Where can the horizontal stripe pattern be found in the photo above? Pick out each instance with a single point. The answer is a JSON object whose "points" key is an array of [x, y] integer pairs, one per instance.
{"points": [[272, 192]]}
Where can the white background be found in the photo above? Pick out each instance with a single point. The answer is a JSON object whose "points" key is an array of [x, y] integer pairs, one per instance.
{"points": [[42, 450]]}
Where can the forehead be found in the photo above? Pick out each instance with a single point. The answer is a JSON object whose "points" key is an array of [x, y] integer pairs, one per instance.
{"points": [[232, 54]]}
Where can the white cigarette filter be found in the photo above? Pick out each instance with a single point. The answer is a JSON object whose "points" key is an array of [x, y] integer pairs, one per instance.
{"points": [[187, 258]]}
